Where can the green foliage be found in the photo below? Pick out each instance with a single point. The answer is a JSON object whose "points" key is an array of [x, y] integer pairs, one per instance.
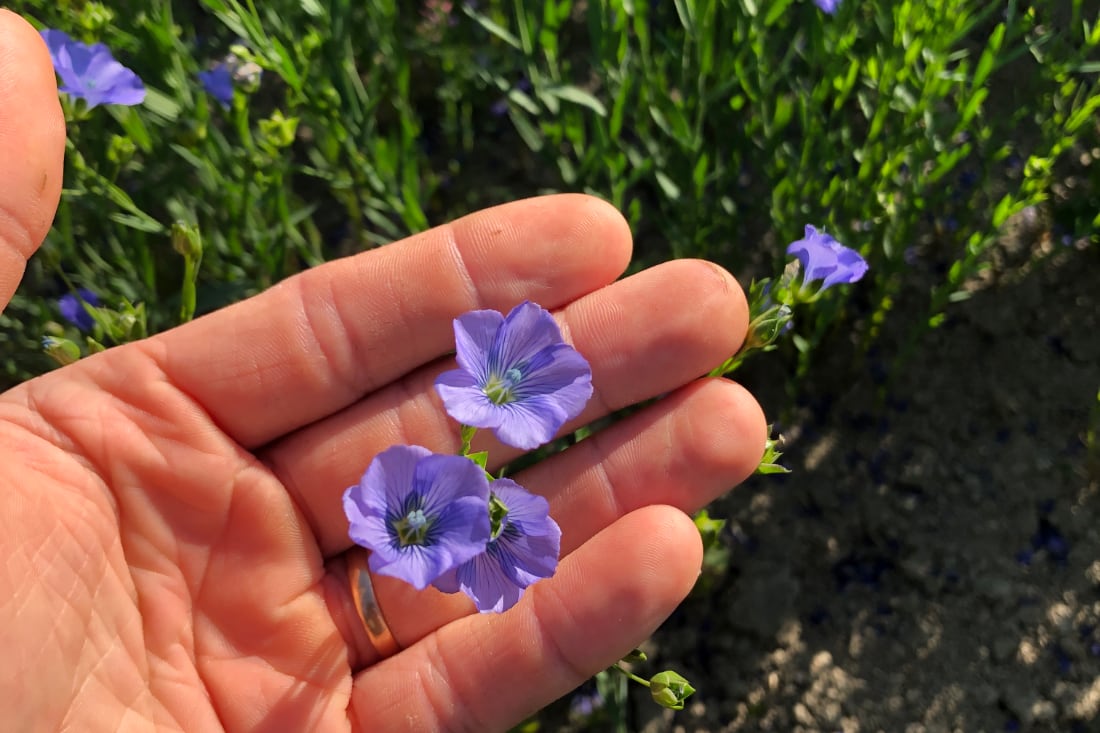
{"points": [[911, 130]]}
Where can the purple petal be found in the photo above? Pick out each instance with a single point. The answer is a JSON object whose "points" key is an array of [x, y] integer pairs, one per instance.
{"points": [[527, 330], [474, 335], [530, 423], [416, 565], [556, 368], [444, 480], [114, 83], [72, 308], [55, 41], [91, 73], [465, 402], [451, 491], [88, 60], [485, 582], [525, 551], [850, 268], [391, 475], [366, 527], [824, 258], [546, 398], [460, 527], [218, 82], [538, 544], [545, 381]]}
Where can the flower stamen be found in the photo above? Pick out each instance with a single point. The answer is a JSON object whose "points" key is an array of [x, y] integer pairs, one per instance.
{"points": [[412, 529], [499, 389]]}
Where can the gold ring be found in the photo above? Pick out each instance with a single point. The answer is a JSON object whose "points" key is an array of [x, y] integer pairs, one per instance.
{"points": [[366, 604]]}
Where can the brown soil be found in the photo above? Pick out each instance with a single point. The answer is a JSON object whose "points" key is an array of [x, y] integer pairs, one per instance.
{"points": [[933, 562]]}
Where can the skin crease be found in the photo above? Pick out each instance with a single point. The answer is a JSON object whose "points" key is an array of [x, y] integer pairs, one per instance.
{"points": [[170, 509]]}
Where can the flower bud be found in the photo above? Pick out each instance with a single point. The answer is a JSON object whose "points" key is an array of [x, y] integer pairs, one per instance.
{"points": [[767, 327], [61, 350], [710, 529], [277, 131], [187, 241], [120, 150], [670, 689]]}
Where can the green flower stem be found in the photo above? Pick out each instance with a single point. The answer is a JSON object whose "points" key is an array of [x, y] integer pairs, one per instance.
{"points": [[762, 333], [631, 675], [468, 433]]}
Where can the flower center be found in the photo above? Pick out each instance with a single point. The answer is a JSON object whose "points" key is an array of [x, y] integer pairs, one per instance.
{"points": [[498, 516], [499, 388], [412, 529]]}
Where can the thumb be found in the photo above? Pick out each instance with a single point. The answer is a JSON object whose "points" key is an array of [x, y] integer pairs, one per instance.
{"points": [[32, 147]]}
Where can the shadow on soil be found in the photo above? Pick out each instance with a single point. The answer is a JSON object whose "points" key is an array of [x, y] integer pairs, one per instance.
{"points": [[933, 563]]}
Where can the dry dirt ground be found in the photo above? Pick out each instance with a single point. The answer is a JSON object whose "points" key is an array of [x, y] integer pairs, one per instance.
{"points": [[933, 562]]}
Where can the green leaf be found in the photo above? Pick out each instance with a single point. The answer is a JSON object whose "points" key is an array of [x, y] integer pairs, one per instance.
{"points": [[618, 107], [699, 173], [776, 10], [161, 105], [1082, 114], [973, 105], [492, 27], [783, 111], [670, 189], [1003, 210], [710, 529], [141, 224], [989, 56], [481, 458], [686, 10], [526, 130], [520, 98], [576, 95]]}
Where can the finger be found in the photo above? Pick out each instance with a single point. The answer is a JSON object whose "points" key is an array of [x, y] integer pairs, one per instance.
{"points": [[320, 340], [637, 345], [32, 146], [683, 451], [487, 672]]}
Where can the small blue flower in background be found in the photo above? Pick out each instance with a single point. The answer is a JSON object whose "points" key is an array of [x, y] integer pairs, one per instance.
{"points": [[584, 704], [91, 72], [500, 107], [516, 376], [420, 514], [73, 310], [524, 550], [828, 6], [218, 83], [824, 258]]}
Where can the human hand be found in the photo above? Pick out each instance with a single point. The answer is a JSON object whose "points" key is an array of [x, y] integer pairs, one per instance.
{"points": [[170, 511]]}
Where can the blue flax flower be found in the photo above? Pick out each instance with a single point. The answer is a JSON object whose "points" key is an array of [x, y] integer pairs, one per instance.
{"points": [[91, 72], [218, 82], [516, 375], [828, 6], [420, 514], [524, 550], [824, 258], [73, 310]]}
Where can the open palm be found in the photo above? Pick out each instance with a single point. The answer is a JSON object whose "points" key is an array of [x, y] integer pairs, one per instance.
{"points": [[170, 514]]}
